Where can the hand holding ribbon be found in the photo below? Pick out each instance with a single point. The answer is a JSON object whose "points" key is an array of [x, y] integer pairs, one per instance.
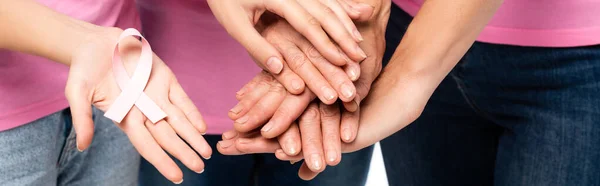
{"points": [[152, 88]]}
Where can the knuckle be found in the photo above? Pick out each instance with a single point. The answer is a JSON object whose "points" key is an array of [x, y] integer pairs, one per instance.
{"points": [[313, 140], [313, 21], [310, 116], [260, 109], [329, 111], [298, 60], [328, 11], [277, 88], [313, 53]]}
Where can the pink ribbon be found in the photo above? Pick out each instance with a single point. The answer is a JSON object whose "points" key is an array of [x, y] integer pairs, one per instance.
{"points": [[133, 89]]}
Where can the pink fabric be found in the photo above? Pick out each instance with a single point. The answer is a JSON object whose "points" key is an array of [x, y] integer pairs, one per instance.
{"points": [[210, 66], [32, 87], [547, 23]]}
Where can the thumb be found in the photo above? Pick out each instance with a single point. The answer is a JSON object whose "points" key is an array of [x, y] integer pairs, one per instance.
{"points": [[81, 112]]}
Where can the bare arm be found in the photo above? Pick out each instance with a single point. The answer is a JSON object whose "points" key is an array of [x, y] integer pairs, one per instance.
{"points": [[30, 27], [437, 38]]}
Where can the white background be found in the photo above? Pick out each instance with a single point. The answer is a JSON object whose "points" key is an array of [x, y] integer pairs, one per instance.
{"points": [[377, 175]]}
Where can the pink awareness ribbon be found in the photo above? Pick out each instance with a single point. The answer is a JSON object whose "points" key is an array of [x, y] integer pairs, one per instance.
{"points": [[133, 88]]}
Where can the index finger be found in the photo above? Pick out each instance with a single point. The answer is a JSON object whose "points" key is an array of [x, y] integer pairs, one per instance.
{"points": [[308, 26]]}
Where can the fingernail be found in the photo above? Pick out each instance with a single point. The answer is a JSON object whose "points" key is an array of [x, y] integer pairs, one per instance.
{"points": [[346, 134], [236, 109], [229, 135], [203, 133], [275, 65], [244, 140], [347, 90], [200, 172], [77, 145], [316, 161], [293, 162], [207, 158], [241, 92], [242, 120], [179, 182], [348, 60], [331, 156], [352, 74], [267, 127], [328, 93], [358, 35], [291, 145], [361, 52], [225, 144], [296, 84]]}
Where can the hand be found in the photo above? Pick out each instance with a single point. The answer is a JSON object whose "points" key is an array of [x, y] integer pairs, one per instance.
{"points": [[314, 19], [91, 81], [293, 108]]}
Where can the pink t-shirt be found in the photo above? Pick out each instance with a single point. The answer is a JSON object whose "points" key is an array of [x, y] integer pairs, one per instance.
{"points": [[210, 66], [547, 23], [32, 87]]}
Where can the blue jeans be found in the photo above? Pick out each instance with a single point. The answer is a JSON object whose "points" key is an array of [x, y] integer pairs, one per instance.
{"points": [[262, 170], [505, 115], [44, 152]]}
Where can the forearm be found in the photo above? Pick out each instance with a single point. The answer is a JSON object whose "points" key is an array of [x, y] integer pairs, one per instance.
{"points": [[30, 27], [437, 38], [439, 35]]}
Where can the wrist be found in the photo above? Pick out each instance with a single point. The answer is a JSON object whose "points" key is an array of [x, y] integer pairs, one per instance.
{"points": [[90, 35]]}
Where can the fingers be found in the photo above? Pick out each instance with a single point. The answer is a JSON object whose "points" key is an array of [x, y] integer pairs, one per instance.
{"points": [[147, 146], [290, 141], [281, 155], [180, 100], [334, 75], [330, 123], [308, 26], [289, 110], [235, 20], [300, 64], [260, 112], [168, 140], [365, 10], [182, 126], [250, 98], [334, 27], [81, 111], [306, 173], [349, 126], [344, 17], [312, 143], [252, 145]]}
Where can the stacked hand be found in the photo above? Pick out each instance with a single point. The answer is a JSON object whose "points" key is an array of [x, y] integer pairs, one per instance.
{"points": [[314, 20], [91, 81], [294, 126]]}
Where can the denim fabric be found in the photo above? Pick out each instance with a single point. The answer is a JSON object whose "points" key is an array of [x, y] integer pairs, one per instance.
{"points": [[44, 152], [262, 170], [505, 115]]}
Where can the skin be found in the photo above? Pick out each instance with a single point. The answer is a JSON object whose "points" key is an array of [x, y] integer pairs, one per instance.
{"points": [[423, 58], [315, 20], [323, 126], [87, 49]]}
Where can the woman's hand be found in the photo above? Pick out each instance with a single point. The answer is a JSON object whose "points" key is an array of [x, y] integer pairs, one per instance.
{"points": [[91, 81], [316, 20]]}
